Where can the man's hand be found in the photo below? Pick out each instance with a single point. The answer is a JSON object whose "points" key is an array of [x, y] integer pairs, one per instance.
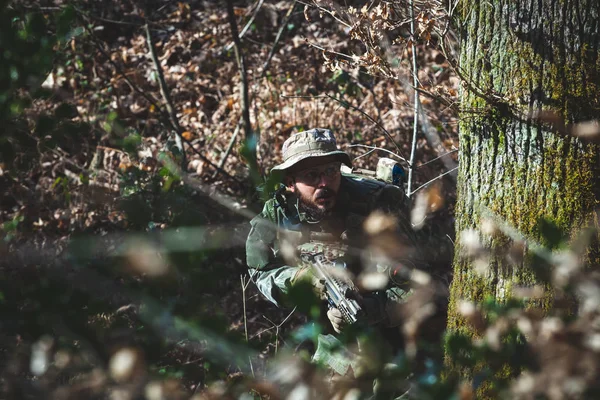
{"points": [[336, 319]]}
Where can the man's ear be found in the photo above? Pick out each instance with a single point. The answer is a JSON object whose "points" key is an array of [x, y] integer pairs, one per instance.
{"points": [[288, 181]]}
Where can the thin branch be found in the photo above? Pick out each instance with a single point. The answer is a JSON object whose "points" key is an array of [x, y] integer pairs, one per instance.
{"points": [[248, 24], [334, 14], [288, 317], [346, 104], [316, 46], [239, 57], [164, 90], [277, 38], [262, 75], [261, 332], [110, 21], [163, 117], [277, 326], [244, 287], [364, 155], [434, 179], [416, 104], [211, 191], [437, 158], [385, 131], [379, 148], [119, 70], [229, 147]]}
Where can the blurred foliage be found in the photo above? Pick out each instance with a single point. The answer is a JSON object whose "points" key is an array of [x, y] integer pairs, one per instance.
{"points": [[29, 42], [138, 305]]}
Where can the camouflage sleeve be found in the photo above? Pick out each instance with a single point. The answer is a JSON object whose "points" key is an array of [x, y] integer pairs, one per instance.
{"points": [[266, 267], [274, 282]]}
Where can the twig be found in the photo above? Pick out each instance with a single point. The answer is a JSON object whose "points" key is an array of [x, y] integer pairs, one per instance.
{"points": [[162, 114], [110, 21], [378, 148], [239, 57], [262, 331], [416, 105], [434, 179], [385, 131], [316, 46], [211, 191], [437, 158], [164, 90], [346, 104], [279, 326], [364, 155], [229, 147], [277, 38], [248, 24], [133, 87], [244, 287], [334, 14], [262, 75]]}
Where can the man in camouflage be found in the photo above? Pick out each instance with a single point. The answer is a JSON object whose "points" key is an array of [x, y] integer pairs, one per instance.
{"points": [[321, 210]]}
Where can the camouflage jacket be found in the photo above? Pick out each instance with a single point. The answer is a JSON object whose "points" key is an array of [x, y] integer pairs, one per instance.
{"points": [[357, 198]]}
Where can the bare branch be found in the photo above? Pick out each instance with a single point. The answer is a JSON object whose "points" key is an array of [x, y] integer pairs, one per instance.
{"points": [[163, 117], [248, 24], [277, 38], [434, 179], [413, 149], [379, 148], [239, 57], [164, 90], [346, 104]]}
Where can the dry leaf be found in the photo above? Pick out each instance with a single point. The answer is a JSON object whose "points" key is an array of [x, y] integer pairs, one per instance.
{"points": [[427, 201]]}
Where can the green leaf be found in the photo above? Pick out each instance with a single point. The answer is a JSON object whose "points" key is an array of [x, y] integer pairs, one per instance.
{"points": [[64, 21], [11, 226], [73, 33], [168, 183], [301, 295], [164, 172], [552, 235], [131, 142], [460, 350]]}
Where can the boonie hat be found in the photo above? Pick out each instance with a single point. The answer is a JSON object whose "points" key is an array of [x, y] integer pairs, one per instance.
{"points": [[317, 142]]}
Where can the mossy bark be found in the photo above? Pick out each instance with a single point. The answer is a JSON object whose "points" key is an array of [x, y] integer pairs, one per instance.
{"points": [[520, 58]]}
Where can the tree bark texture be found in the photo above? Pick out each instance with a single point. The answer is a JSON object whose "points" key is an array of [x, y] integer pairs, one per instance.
{"points": [[519, 59]]}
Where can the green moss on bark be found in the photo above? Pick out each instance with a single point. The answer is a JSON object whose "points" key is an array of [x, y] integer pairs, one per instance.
{"points": [[524, 59]]}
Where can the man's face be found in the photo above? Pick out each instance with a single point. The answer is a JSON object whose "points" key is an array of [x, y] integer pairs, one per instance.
{"points": [[316, 182]]}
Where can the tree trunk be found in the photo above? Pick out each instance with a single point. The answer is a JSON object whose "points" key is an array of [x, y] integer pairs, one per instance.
{"points": [[521, 59]]}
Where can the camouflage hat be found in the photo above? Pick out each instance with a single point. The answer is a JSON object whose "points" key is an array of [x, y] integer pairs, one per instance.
{"points": [[316, 142]]}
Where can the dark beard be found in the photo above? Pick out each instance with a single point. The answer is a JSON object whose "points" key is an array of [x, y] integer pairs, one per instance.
{"points": [[312, 211]]}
